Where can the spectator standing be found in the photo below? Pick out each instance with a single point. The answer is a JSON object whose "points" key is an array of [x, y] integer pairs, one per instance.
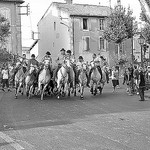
{"points": [[114, 78], [5, 77], [141, 84], [117, 76]]}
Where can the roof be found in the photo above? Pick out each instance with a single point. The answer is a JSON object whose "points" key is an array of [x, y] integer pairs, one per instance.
{"points": [[83, 9], [17, 1]]}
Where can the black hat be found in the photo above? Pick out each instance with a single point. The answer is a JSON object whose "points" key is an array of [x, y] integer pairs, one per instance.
{"points": [[69, 51], [33, 55], [101, 57], [62, 49], [80, 57], [48, 53]]}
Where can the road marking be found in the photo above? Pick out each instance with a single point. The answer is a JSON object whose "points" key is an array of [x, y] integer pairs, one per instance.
{"points": [[11, 141]]}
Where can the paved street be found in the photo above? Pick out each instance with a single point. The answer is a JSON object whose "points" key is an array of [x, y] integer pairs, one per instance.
{"points": [[111, 121]]}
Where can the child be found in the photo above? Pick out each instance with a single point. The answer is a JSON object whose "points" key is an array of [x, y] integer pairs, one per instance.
{"points": [[5, 76]]}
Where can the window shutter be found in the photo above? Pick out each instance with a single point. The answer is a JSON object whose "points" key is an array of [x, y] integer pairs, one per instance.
{"points": [[87, 43], [81, 24]]}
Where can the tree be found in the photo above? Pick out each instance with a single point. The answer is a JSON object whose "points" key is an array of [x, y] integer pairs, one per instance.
{"points": [[146, 32], [121, 26], [4, 29], [4, 34]]}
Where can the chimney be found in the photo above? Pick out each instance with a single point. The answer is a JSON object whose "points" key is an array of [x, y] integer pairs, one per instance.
{"points": [[69, 1], [119, 2]]}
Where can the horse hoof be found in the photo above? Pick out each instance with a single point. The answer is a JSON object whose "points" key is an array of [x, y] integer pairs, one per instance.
{"points": [[21, 93], [58, 97], [16, 97], [81, 97]]}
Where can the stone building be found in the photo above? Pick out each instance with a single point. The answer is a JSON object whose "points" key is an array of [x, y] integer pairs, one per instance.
{"points": [[78, 27], [10, 9]]}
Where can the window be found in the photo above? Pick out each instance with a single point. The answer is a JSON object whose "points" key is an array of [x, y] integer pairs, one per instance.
{"points": [[101, 44], [86, 43], [101, 24], [122, 48], [54, 26], [85, 24]]}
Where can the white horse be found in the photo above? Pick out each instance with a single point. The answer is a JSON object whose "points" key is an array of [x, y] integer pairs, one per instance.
{"points": [[30, 79], [19, 79], [82, 80], [62, 80], [95, 79], [44, 79]]}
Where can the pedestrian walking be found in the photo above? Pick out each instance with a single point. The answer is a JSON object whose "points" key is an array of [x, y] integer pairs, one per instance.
{"points": [[114, 78], [5, 77], [117, 76], [141, 84]]}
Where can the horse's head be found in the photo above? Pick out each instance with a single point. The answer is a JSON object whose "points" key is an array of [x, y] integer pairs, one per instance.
{"points": [[46, 66], [18, 64], [68, 63], [32, 69]]}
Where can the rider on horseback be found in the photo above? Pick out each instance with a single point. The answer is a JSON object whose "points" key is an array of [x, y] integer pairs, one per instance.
{"points": [[20, 61], [59, 61], [79, 65], [48, 60], [24, 63], [34, 63], [72, 68], [97, 61]]}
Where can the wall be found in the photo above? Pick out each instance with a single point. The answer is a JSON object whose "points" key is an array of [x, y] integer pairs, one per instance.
{"points": [[11, 11], [94, 35], [50, 39]]}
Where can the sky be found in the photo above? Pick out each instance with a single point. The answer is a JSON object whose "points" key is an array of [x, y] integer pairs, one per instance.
{"points": [[38, 8]]}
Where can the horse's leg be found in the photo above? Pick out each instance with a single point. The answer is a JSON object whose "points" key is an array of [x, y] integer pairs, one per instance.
{"points": [[58, 88], [23, 86], [42, 94], [39, 88], [30, 91], [82, 90], [91, 90], [68, 89], [75, 92], [16, 89], [19, 87], [95, 88]]}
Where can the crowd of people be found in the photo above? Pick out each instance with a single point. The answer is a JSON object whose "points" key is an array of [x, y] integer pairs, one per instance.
{"points": [[134, 77]]}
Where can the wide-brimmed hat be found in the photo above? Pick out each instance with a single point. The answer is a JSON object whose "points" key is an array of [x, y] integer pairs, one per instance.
{"points": [[63, 49], [69, 51], [48, 53], [80, 57], [33, 55]]}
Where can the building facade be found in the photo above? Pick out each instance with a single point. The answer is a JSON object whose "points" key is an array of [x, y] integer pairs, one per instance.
{"points": [[10, 9], [77, 27]]}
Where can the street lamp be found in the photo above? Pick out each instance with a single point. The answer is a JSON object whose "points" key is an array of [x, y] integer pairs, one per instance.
{"points": [[141, 41]]}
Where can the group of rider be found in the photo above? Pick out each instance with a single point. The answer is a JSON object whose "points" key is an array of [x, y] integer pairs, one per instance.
{"points": [[63, 57]]}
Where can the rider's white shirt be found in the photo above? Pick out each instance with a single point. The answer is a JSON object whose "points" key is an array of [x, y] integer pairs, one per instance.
{"points": [[81, 65]]}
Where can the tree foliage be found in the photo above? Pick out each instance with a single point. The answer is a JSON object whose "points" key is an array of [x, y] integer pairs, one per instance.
{"points": [[4, 34], [121, 25], [144, 18], [4, 30], [146, 32]]}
